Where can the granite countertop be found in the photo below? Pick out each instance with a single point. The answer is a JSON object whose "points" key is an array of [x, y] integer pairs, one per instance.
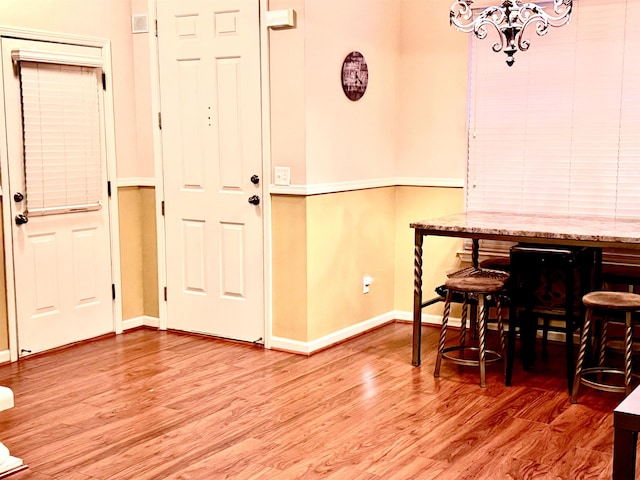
{"points": [[554, 227]]}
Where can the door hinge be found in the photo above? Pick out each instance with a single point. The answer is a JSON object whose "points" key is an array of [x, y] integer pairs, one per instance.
{"points": [[165, 294], [162, 207], [104, 81], [160, 120], [156, 22], [109, 188], [113, 291]]}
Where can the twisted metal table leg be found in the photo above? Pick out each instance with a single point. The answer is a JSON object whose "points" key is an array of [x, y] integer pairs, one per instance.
{"points": [[628, 353], [417, 300]]}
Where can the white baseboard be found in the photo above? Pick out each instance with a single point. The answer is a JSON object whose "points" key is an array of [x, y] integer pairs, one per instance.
{"points": [[5, 356], [307, 348], [143, 321], [455, 322], [427, 318]]}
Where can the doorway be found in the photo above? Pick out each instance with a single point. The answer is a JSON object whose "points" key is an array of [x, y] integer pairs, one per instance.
{"points": [[58, 217], [210, 96]]}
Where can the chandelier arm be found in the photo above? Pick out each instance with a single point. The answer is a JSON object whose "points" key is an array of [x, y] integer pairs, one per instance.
{"points": [[532, 14], [480, 31], [510, 19], [461, 16]]}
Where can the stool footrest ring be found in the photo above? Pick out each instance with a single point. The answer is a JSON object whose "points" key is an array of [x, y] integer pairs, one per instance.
{"points": [[617, 344], [600, 384], [490, 355]]}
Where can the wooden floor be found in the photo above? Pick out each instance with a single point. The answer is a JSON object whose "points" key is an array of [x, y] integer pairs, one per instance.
{"points": [[161, 405]]}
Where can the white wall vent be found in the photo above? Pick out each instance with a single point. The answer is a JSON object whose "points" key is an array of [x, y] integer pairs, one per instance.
{"points": [[140, 23]]}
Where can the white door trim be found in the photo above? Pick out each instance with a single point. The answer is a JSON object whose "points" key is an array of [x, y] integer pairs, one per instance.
{"points": [[265, 174], [158, 165], [110, 146], [266, 170]]}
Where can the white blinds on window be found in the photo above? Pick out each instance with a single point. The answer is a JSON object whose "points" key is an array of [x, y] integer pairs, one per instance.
{"points": [[559, 131], [62, 141]]}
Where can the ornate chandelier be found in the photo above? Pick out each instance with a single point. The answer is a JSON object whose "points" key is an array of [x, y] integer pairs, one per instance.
{"points": [[510, 20]]}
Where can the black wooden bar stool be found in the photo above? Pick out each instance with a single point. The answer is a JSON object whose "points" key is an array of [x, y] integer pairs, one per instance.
{"points": [[600, 376], [483, 285], [502, 264], [546, 283], [619, 277]]}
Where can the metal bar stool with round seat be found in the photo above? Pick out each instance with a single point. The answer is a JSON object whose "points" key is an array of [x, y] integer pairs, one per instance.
{"points": [[490, 266], [482, 284], [606, 301], [616, 277]]}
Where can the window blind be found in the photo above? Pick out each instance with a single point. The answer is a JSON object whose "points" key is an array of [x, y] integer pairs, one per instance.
{"points": [[559, 131], [62, 139]]}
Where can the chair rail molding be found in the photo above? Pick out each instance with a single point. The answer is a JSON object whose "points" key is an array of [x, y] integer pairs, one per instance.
{"points": [[136, 182], [323, 188]]}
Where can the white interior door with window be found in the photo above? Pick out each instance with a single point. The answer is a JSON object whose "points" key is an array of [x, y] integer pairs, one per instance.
{"points": [[209, 57], [53, 99]]}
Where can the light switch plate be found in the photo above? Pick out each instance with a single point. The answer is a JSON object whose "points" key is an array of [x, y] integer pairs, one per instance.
{"points": [[282, 176]]}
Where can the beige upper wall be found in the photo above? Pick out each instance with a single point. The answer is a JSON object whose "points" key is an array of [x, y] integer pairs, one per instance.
{"points": [[287, 89], [410, 123], [412, 120], [346, 140], [145, 115], [110, 20], [432, 141]]}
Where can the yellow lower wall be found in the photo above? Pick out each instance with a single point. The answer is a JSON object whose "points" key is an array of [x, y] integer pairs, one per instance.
{"points": [[130, 217], [138, 252], [324, 244], [439, 253], [149, 252], [322, 247], [349, 235], [289, 258]]}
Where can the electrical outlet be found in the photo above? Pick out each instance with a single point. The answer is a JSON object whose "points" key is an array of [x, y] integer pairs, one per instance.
{"points": [[366, 283], [282, 176]]}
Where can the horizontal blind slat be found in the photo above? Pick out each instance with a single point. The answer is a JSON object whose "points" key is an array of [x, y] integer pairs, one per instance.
{"points": [[62, 141]]}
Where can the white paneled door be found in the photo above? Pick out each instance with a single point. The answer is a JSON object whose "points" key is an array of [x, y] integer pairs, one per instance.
{"points": [[58, 193], [209, 53]]}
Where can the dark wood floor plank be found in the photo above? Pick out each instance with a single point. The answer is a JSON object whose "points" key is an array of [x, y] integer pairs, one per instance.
{"points": [[165, 405]]}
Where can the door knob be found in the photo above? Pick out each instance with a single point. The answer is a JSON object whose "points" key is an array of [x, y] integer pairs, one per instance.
{"points": [[255, 179], [254, 200], [18, 197], [21, 219]]}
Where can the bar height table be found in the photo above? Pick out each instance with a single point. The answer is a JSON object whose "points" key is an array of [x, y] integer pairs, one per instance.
{"points": [[582, 230]]}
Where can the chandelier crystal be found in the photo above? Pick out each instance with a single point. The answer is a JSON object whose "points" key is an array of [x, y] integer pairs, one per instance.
{"points": [[510, 19]]}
